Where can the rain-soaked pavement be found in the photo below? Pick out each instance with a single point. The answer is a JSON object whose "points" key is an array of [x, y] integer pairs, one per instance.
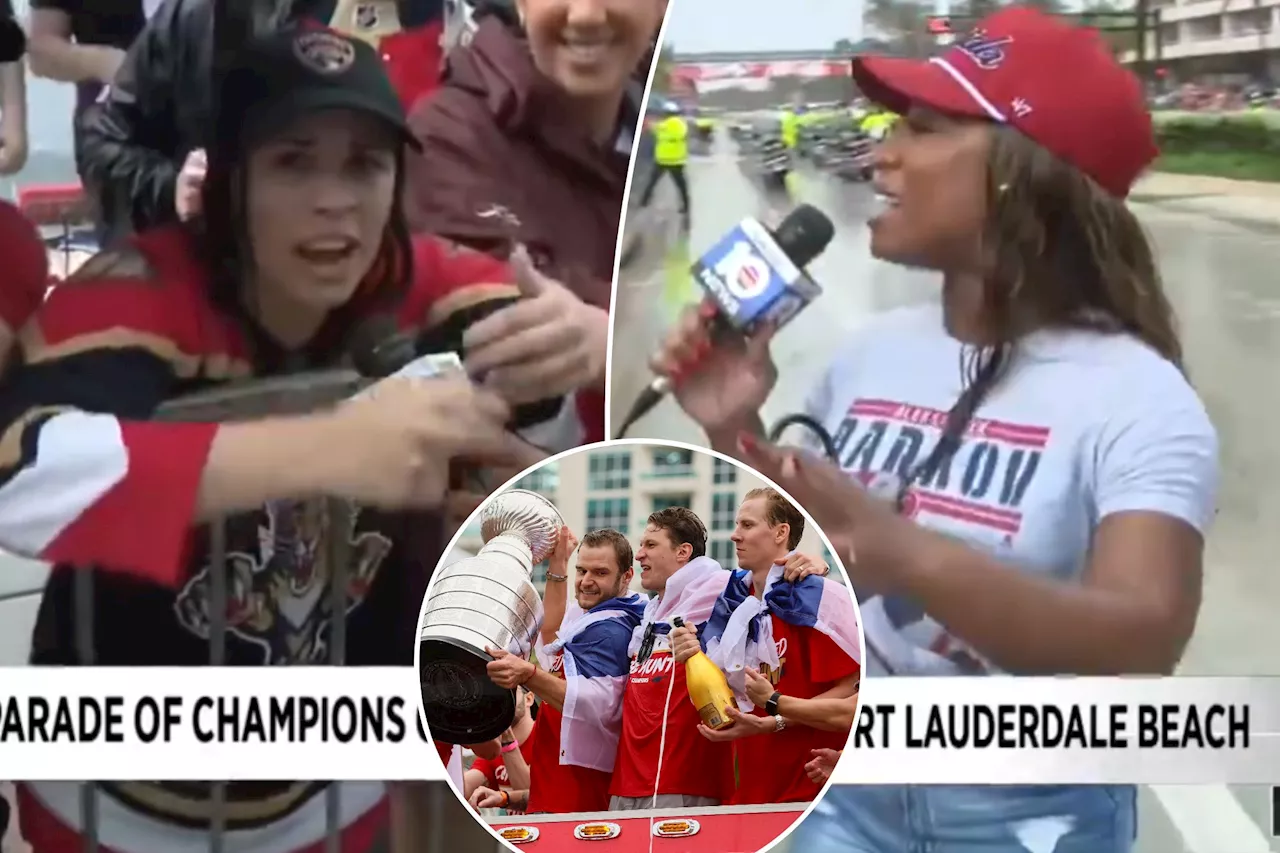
{"points": [[1223, 281]]}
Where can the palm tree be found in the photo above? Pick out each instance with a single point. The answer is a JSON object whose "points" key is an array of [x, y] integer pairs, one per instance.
{"points": [[903, 24], [1122, 41]]}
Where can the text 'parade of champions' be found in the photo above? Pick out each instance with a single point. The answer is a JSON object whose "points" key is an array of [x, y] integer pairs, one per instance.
{"points": [[282, 718], [368, 724]]}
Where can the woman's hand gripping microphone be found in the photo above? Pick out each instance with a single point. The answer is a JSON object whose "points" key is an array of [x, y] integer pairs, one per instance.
{"points": [[719, 380]]}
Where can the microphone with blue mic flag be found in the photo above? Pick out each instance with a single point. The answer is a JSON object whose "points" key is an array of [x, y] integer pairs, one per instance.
{"points": [[752, 276]]}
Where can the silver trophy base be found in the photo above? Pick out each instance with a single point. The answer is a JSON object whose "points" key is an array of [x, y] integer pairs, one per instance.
{"points": [[462, 705]]}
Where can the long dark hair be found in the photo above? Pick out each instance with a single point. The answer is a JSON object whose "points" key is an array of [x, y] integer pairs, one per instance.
{"points": [[1059, 252]]}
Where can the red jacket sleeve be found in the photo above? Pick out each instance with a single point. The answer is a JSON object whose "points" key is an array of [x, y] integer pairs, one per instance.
{"points": [[448, 277], [85, 477], [26, 268]]}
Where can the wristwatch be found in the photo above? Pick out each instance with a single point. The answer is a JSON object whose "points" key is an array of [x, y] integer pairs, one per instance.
{"points": [[779, 723], [771, 707]]}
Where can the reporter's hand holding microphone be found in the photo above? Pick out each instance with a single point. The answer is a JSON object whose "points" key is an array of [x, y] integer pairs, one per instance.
{"points": [[716, 360], [722, 387]]}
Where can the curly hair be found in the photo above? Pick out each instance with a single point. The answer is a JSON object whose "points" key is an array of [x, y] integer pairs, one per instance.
{"points": [[1058, 252], [1063, 252]]}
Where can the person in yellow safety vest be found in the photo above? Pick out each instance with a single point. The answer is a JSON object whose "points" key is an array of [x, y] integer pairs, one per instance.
{"points": [[790, 129], [877, 124], [671, 153]]}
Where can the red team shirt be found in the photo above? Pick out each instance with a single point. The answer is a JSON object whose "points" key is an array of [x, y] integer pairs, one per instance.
{"points": [[691, 764], [555, 787], [771, 766]]}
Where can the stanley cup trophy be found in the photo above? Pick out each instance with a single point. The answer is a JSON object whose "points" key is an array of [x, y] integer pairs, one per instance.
{"points": [[484, 601]]}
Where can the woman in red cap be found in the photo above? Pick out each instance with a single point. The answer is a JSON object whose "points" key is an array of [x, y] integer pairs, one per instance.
{"points": [[1023, 473]]}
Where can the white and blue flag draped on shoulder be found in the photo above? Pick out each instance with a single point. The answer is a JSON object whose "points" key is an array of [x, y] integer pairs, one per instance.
{"points": [[739, 633], [596, 663], [691, 593]]}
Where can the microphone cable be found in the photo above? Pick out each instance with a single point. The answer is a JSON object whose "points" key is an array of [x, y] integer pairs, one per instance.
{"points": [[818, 430], [645, 402]]}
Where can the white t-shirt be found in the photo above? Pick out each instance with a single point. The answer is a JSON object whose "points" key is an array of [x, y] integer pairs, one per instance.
{"points": [[1081, 426]]}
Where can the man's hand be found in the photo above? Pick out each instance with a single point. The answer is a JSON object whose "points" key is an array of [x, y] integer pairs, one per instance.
{"points": [[821, 766], [759, 689], [744, 725], [106, 62], [684, 643], [797, 567], [508, 671], [485, 798], [186, 199], [566, 544], [548, 344]]}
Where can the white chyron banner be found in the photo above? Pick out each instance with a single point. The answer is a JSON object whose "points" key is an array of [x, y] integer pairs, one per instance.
{"points": [[1065, 731], [362, 724]]}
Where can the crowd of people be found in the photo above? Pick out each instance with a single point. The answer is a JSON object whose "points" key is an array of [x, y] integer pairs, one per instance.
{"points": [[452, 171], [604, 719]]}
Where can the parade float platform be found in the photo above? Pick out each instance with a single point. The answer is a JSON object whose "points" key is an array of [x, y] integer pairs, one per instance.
{"points": [[720, 829]]}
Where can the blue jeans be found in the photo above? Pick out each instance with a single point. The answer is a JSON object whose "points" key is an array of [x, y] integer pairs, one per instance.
{"points": [[971, 819]]}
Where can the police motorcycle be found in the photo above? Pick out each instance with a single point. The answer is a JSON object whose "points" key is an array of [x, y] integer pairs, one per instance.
{"points": [[773, 165], [702, 133], [850, 157], [824, 141]]}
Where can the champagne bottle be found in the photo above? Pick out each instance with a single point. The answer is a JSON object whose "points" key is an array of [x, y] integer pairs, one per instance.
{"points": [[708, 688]]}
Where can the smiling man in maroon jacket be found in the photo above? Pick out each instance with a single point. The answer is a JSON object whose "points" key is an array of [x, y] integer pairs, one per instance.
{"points": [[528, 142]]}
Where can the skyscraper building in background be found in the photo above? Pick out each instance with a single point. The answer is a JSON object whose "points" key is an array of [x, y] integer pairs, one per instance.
{"points": [[620, 486]]}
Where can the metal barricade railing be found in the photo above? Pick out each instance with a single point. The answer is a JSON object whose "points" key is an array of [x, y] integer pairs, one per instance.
{"points": [[289, 395]]}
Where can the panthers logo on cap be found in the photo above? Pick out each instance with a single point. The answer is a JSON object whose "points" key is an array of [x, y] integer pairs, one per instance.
{"points": [[324, 52]]}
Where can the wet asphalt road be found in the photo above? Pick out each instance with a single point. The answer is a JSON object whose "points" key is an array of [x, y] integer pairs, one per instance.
{"points": [[1223, 281]]}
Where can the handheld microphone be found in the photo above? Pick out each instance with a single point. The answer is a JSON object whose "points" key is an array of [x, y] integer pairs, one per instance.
{"points": [[752, 276], [379, 349]]}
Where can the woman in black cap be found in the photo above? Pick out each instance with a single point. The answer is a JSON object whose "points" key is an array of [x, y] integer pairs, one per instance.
{"points": [[301, 241]]}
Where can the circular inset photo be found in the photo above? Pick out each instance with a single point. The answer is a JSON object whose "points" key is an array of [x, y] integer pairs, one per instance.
{"points": [[640, 643]]}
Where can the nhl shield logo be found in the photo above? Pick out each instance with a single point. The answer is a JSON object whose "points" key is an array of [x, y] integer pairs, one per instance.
{"points": [[367, 17], [324, 52]]}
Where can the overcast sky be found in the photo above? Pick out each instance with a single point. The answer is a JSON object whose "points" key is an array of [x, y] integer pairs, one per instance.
{"points": [[696, 26]]}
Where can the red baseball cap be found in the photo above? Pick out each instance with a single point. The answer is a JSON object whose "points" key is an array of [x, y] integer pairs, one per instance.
{"points": [[1056, 83]]}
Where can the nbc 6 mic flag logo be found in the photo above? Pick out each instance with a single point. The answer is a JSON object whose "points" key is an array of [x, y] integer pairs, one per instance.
{"points": [[746, 274], [738, 274]]}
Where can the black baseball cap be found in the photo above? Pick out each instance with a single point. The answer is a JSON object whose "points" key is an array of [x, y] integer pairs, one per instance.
{"points": [[282, 76], [13, 41]]}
